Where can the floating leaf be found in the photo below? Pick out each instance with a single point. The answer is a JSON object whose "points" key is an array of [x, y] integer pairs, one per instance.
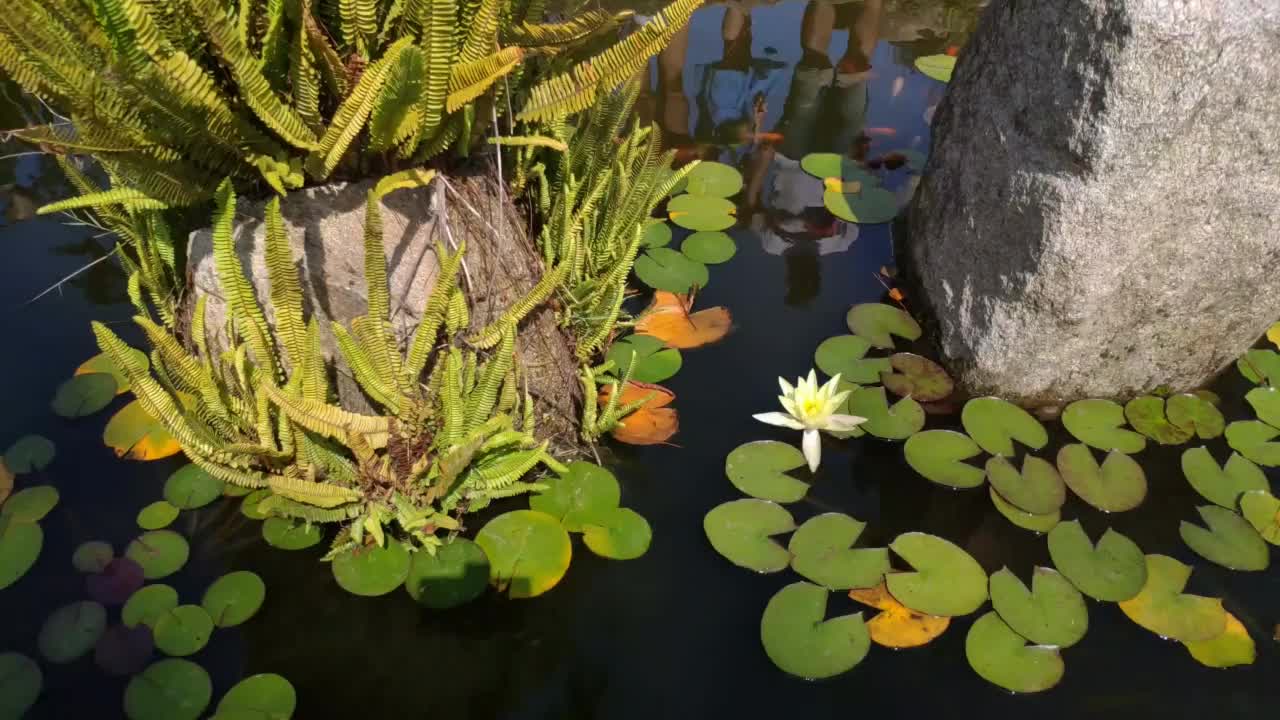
{"points": [[101, 363], [713, 178], [1261, 509], [709, 248], [135, 435], [20, 544], [801, 642], [617, 533], [939, 67], [877, 322], [1252, 439], [835, 166], [119, 580], [1222, 485], [667, 269], [1022, 518], [1260, 366], [994, 424], [897, 626], [71, 631], [1038, 489], [1147, 415], [584, 490], [183, 631], [159, 552], [656, 234], [157, 515], [265, 696], [1165, 610], [1099, 423], [31, 504], [528, 552], [190, 487], [654, 361], [83, 395], [20, 682], [287, 534], [702, 213], [868, 206], [172, 689], [92, 556], [917, 377], [844, 355], [946, 580], [899, 422], [235, 597], [821, 552], [123, 651], [1230, 540], [251, 508], [668, 319], [742, 530], [1052, 612], [1002, 657], [455, 575], [1195, 414], [29, 453], [371, 570], [760, 469], [937, 455], [1113, 571], [148, 605], [6, 481], [1118, 485], [1233, 647], [653, 423], [1265, 402]]}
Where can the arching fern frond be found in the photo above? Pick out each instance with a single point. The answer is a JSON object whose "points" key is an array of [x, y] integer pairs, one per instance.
{"points": [[424, 336], [324, 495], [281, 506], [242, 303], [327, 420], [569, 32], [397, 115], [128, 197], [351, 115], [529, 141], [482, 32], [285, 290], [469, 80]]}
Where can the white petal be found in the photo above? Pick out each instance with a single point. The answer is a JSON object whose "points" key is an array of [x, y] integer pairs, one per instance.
{"points": [[779, 419], [843, 423], [787, 388], [789, 405], [839, 399], [813, 379], [812, 449]]}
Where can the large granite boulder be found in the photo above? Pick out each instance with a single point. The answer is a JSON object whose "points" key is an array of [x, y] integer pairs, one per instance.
{"points": [[1100, 214]]}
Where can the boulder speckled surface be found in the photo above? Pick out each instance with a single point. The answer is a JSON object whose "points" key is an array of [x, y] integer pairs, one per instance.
{"points": [[1100, 214]]}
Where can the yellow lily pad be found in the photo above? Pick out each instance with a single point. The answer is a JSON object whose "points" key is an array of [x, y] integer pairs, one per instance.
{"points": [[135, 435], [1233, 647], [1165, 610]]}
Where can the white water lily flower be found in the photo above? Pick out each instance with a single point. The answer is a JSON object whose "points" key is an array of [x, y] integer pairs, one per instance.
{"points": [[811, 408]]}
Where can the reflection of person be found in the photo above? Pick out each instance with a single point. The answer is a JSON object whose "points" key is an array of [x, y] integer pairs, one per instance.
{"points": [[731, 99]]}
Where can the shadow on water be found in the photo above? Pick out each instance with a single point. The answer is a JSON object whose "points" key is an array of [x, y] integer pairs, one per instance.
{"points": [[674, 634]]}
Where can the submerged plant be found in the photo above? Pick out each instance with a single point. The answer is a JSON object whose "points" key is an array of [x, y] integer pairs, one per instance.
{"points": [[811, 409]]}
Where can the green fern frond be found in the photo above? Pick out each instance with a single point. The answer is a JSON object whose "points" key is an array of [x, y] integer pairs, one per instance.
{"points": [[403, 180], [397, 115], [375, 260], [458, 316], [327, 59], [452, 407], [482, 31], [304, 76], [183, 369], [570, 32], [323, 495], [275, 44], [315, 381], [378, 342], [503, 470], [351, 114], [529, 141], [433, 315], [281, 506], [438, 19], [538, 294], [449, 132], [285, 290], [506, 491], [359, 24], [364, 369], [483, 398], [320, 453], [327, 420], [469, 80], [242, 303], [129, 198], [227, 474]]}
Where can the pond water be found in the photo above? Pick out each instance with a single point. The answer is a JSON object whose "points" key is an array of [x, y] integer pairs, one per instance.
{"points": [[674, 634]]}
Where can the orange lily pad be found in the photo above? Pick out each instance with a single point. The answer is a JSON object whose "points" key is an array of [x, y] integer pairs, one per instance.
{"points": [[654, 423], [898, 626], [668, 318], [135, 435]]}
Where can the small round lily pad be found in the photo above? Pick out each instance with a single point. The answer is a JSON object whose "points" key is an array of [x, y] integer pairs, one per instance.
{"points": [[656, 234], [92, 556], [123, 651], [133, 434], [742, 531], [835, 166], [1259, 366], [1265, 402], [868, 206], [1261, 509], [876, 323], [148, 605], [800, 641], [266, 696], [1147, 415], [1002, 657], [71, 631], [994, 424], [29, 453], [20, 545], [917, 377], [160, 553], [183, 631], [946, 580], [821, 552], [1038, 489], [1100, 424], [287, 534], [1222, 485], [939, 67], [1254, 440], [1165, 610], [617, 533], [249, 505], [1022, 518], [83, 395], [1113, 571], [455, 575], [845, 355], [191, 487], [671, 270], [897, 422], [1051, 613], [654, 361], [1196, 415], [713, 178], [1233, 647], [20, 682], [528, 552], [709, 248], [938, 456], [1118, 485], [172, 689], [31, 504], [235, 597], [120, 579], [584, 490], [158, 514], [702, 213], [1229, 541], [760, 469]]}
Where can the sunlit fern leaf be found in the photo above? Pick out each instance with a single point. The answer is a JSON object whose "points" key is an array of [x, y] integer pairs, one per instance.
{"points": [[264, 425], [451, 403], [285, 290], [183, 369], [448, 134], [170, 182], [375, 260], [128, 197], [482, 32], [538, 294], [242, 303], [304, 78], [275, 45], [129, 31], [569, 32], [500, 469], [378, 342], [352, 113], [404, 180], [529, 141], [328, 420], [328, 61], [483, 398], [469, 80], [315, 381], [324, 495], [281, 506], [438, 18], [242, 477], [433, 315], [359, 24], [397, 114], [364, 370], [325, 456]]}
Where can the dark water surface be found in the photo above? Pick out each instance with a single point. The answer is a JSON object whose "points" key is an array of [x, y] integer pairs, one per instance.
{"points": [[674, 634]]}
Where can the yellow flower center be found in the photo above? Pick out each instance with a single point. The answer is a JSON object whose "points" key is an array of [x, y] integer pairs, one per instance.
{"points": [[810, 407]]}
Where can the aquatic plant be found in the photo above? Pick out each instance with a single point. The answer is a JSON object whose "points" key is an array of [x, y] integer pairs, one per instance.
{"points": [[811, 408]]}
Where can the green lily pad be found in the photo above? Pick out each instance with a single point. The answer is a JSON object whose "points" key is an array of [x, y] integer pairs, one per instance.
{"points": [[20, 545], [1002, 657], [1118, 485], [760, 469], [29, 453], [1230, 540], [92, 556], [939, 67], [172, 689], [20, 682], [528, 552], [83, 395], [868, 206], [821, 552], [71, 631], [1233, 647], [877, 322], [159, 552], [1052, 612], [844, 355], [587, 488], [1265, 402], [671, 270], [183, 630], [1113, 571], [287, 534], [917, 377], [1260, 366], [1038, 489], [1222, 485], [994, 424], [899, 422], [742, 530], [1195, 414], [946, 581], [1022, 518], [617, 533], [656, 234], [455, 575], [1253, 439], [250, 506], [709, 248], [1262, 510], [190, 487], [798, 639], [937, 455], [235, 597], [371, 570], [265, 696], [135, 435], [702, 213], [713, 178], [838, 167], [31, 504], [1147, 415], [148, 605], [1165, 610], [1099, 423], [102, 363], [158, 514], [655, 361]]}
